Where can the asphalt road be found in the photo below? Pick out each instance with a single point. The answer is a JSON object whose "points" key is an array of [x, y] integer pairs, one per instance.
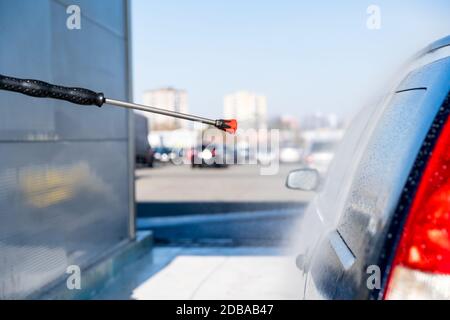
{"points": [[231, 206], [240, 183]]}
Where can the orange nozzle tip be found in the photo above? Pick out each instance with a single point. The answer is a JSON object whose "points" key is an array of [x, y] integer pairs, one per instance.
{"points": [[232, 126], [229, 126]]}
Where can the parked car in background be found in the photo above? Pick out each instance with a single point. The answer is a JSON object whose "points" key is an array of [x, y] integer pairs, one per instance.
{"points": [[290, 154], [379, 227], [164, 154], [211, 156], [320, 151], [143, 151]]}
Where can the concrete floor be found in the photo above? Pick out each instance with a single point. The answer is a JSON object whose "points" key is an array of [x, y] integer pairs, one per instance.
{"points": [[235, 183], [207, 273]]}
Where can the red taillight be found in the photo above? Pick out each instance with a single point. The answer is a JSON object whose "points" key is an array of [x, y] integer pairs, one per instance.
{"points": [[423, 254]]}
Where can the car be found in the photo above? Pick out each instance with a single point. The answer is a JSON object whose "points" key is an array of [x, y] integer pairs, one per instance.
{"points": [[290, 154], [210, 156], [379, 224], [144, 154], [145, 157], [319, 154], [163, 154]]}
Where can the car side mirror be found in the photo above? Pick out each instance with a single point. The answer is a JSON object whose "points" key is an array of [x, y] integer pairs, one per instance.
{"points": [[303, 179]]}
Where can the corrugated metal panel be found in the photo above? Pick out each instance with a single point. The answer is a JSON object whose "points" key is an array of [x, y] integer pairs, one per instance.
{"points": [[64, 178]]}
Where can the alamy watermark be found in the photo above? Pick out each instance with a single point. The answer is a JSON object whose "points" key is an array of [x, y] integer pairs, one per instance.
{"points": [[73, 21], [73, 282], [374, 19], [373, 281]]}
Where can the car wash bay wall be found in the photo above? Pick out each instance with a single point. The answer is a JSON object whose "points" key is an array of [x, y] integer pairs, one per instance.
{"points": [[64, 169]]}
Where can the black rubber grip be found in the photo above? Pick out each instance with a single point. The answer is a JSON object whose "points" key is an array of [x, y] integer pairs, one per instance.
{"points": [[41, 89]]}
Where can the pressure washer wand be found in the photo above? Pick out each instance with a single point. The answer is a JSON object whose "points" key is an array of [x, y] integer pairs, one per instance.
{"points": [[81, 96]]}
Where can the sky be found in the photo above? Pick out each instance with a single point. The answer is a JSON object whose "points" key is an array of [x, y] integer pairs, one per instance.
{"points": [[304, 56]]}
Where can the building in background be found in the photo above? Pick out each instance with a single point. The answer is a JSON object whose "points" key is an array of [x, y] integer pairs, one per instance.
{"points": [[169, 99], [249, 109], [320, 120]]}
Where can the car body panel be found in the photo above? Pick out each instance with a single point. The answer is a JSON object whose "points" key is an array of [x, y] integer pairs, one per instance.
{"points": [[349, 216]]}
